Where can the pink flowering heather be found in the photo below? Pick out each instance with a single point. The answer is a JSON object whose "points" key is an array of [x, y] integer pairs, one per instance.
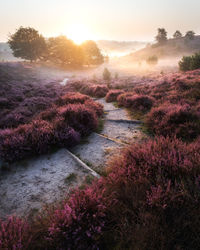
{"points": [[113, 94], [14, 234]]}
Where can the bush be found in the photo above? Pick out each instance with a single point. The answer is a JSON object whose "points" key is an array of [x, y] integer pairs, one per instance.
{"points": [[99, 91], [72, 98], [149, 199], [14, 234], [59, 126], [79, 117], [152, 60], [157, 188], [113, 94], [95, 90], [106, 75], [141, 103], [169, 120], [190, 62], [82, 220]]}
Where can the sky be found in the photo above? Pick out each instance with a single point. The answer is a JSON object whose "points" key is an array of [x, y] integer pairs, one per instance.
{"points": [[135, 20]]}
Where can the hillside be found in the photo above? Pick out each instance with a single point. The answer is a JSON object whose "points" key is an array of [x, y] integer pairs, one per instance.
{"points": [[6, 53], [172, 48], [117, 48]]}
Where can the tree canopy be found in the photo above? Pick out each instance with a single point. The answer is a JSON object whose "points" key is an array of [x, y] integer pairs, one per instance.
{"points": [[61, 50], [161, 36], [27, 43], [92, 53], [190, 35], [177, 34]]}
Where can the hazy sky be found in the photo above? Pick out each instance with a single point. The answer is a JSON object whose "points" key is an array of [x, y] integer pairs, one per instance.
{"points": [[100, 19]]}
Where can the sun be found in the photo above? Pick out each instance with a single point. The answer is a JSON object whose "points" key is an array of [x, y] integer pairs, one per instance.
{"points": [[78, 33]]}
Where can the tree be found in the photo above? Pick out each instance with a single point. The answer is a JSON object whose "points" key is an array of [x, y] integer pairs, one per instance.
{"points": [[27, 43], [64, 51], [190, 35], [161, 36], [92, 53], [106, 74], [177, 34]]}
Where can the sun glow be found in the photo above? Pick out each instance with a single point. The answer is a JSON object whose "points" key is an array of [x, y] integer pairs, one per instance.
{"points": [[79, 33]]}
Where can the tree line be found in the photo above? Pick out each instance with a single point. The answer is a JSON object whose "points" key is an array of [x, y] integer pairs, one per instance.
{"points": [[161, 37], [28, 44]]}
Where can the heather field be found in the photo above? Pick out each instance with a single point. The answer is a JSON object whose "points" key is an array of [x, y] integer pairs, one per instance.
{"points": [[97, 163]]}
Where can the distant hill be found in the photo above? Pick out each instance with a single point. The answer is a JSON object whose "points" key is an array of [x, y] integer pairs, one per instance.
{"points": [[172, 48], [118, 48], [6, 53]]}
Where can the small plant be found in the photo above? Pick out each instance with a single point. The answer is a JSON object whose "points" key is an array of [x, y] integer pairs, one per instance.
{"points": [[71, 178], [152, 60], [106, 75]]}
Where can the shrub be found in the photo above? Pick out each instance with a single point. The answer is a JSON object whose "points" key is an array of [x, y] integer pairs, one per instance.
{"points": [[121, 99], [149, 199], [79, 117], [72, 98], [14, 234], [82, 220], [99, 90], [190, 62], [152, 60], [179, 120], [113, 94], [106, 75], [97, 107], [136, 102], [157, 187]]}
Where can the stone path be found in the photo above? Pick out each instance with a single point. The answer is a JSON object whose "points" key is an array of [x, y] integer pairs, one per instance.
{"points": [[30, 184]]}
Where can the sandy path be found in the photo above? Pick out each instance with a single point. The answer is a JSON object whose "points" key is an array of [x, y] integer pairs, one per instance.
{"points": [[45, 179]]}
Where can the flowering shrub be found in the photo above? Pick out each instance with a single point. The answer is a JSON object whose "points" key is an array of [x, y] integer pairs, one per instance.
{"points": [[79, 117], [113, 94], [99, 90], [157, 188], [72, 98], [150, 198], [136, 102], [14, 234], [179, 120], [57, 126], [82, 220], [95, 90]]}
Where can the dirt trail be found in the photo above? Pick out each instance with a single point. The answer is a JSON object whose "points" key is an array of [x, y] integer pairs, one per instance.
{"points": [[30, 184]]}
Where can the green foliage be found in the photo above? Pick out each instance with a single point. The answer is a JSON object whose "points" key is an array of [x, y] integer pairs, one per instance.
{"points": [[161, 36], [70, 178], [106, 74], [190, 62], [27, 43]]}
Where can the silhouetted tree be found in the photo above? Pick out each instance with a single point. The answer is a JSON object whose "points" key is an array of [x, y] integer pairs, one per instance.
{"points": [[177, 34], [27, 43], [161, 36], [64, 51], [92, 53], [190, 35]]}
